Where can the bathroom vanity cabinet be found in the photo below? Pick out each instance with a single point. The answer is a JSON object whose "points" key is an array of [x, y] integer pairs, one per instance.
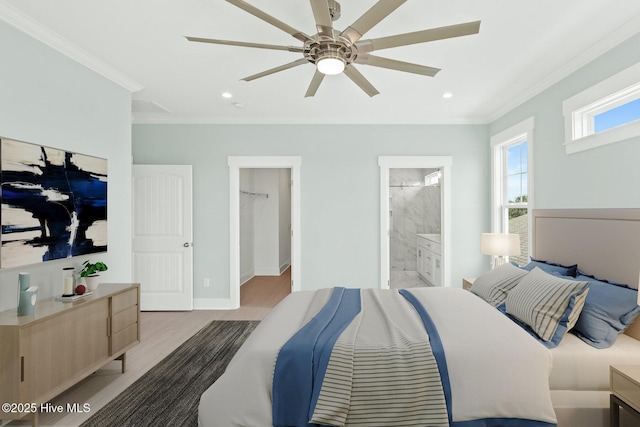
{"points": [[429, 258]]}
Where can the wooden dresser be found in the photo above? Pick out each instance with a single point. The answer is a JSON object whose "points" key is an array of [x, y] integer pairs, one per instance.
{"points": [[43, 354]]}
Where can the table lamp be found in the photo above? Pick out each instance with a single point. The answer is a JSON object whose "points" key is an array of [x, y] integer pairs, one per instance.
{"points": [[499, 245]]}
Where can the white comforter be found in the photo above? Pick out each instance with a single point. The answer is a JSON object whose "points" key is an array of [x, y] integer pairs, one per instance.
{"points": [[496, 370]]}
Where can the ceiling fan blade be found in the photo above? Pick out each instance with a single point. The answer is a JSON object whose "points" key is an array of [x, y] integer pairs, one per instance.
{"points": [[321, 13], [246, 44], [419, 37], [392, 64], [359, 79], [371, 18], [277, 69], [315, 83], [270, 19]]}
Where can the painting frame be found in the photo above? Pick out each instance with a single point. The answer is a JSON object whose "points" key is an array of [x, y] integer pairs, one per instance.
{"points": [[54, 203]]}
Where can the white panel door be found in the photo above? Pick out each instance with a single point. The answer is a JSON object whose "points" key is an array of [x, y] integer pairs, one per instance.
{"points": [[162, 236]]}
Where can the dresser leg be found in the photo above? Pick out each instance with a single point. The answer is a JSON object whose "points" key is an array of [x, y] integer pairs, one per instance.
{"points": [[123, 359]]}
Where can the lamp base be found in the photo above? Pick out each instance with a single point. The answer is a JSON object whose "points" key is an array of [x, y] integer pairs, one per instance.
{"points": [[498, 260]]}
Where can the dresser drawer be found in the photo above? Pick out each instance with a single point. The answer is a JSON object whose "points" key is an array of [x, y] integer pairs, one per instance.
{"points": [[625, 389], [124, 338], [124, 319], [124, 301]]}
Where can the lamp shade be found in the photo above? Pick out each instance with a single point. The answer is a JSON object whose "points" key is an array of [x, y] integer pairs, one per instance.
{"points": [[500, 244]]}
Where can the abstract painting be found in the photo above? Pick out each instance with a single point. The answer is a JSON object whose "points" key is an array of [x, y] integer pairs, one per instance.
{"points": [[54, 204]]}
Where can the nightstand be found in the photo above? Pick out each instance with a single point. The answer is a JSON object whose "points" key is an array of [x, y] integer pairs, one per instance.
{"points": [[625, 391], [467, 282]]}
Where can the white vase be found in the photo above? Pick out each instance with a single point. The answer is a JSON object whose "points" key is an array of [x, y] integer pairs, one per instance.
{"points": [[92, 282]]}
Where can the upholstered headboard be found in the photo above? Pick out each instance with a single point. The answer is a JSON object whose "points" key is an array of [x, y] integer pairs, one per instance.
{"points": [[603, 242]]}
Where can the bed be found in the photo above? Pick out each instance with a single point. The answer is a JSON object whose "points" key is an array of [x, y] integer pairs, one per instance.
{"points": [[535, 385], [604, 243]]}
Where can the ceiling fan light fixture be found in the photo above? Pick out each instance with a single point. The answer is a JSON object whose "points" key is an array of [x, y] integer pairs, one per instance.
{"points": [[330, 65]]}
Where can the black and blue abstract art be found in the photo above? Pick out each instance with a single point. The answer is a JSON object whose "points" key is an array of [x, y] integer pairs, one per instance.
{"points": [[54, 204]]}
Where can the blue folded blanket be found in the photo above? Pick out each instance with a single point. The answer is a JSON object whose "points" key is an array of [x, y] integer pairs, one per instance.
{"points": [[302, 361]]}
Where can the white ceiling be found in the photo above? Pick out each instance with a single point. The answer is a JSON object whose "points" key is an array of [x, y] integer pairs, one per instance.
{"points": [[523, 47]]}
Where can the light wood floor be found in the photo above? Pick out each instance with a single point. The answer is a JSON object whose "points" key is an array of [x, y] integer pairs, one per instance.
{"points": [[161, 333]]}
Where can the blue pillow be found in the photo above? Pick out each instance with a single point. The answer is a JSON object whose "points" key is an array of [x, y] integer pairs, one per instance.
{"points": [[552, 267], [610, 308]]}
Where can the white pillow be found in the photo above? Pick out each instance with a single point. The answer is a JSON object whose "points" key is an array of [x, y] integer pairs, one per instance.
{"points": [[543, 301], [494, 285]]}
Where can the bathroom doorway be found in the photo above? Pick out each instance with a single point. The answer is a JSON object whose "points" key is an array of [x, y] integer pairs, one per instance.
{"points": [[415, 227], [436, 266]]}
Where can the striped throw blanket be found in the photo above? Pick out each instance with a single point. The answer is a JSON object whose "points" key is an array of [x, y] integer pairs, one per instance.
{"points": [[363, 358]]}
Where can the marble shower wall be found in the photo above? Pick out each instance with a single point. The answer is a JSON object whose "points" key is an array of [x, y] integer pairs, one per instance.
{"points": [[415, 209]]}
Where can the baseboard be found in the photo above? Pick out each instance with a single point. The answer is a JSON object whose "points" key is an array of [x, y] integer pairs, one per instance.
{"points": [[246, 277], [213, 304], [284, 266], [268, 272]]}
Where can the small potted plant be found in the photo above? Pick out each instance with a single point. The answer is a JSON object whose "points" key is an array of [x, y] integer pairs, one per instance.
{"points": [[90, 273]]}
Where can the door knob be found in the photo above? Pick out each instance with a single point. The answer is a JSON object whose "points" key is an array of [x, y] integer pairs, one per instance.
{"points": [[186, 245]]}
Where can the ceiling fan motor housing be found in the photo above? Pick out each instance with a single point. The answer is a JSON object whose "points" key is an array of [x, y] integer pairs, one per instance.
{"points": [[314, 51]]}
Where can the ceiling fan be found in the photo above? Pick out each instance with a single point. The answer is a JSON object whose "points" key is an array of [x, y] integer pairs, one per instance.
{"points": [[334, 52]]}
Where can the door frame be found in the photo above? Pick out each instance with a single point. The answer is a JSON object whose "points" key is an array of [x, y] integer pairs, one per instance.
{"points": [[261, 162], [412, 162]]}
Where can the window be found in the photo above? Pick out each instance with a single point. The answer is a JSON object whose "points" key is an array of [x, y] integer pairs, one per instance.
{"points": [[512, 184], [593, 120], [618, 116]]}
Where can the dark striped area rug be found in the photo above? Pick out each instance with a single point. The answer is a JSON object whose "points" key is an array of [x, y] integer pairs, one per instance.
{"points": [[169, 393]]}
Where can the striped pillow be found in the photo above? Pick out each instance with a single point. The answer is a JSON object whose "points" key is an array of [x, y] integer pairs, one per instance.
{"points": [[494, 285], [547, 303]]}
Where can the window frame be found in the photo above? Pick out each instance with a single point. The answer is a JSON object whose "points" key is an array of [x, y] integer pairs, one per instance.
{"points": [[581, 109], [518, 133]]}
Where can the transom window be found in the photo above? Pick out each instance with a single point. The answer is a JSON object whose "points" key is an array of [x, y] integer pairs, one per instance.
{"points": [[618, 116], [605, 113]]}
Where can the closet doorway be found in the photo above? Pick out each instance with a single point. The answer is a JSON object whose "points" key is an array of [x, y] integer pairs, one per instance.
{"points": [[265, 228], [440, 166], [264, 239]]}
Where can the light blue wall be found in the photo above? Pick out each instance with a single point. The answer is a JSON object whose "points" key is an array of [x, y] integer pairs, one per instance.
{"points": [[340, 200], [49, 99], [606, 176]]}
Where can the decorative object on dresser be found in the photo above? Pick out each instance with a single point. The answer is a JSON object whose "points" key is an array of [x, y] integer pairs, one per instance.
{"points": [[90, 274], [61, 343], [68, 282], [625, 392], [54, 203], [499, 245], [27, 295]]}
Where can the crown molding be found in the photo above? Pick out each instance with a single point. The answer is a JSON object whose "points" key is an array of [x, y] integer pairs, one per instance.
{"points": [[626, 31], [163, 118], [28, 25]]}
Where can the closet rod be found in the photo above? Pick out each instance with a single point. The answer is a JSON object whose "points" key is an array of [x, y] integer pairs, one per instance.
{"points": [[248, 193]]}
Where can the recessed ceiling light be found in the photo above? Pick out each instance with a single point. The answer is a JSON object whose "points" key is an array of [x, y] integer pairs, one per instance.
{"points": [[447, 95], [226, 95]]}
